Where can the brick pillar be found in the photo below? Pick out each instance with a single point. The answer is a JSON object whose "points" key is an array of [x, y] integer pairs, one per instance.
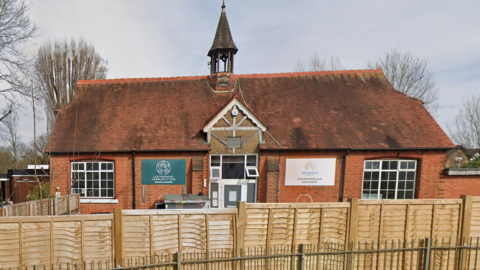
{"points": [[273, 178], [197, 175]]}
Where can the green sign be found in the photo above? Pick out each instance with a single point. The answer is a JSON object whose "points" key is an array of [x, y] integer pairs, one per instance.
{"points": [[164, 171]]}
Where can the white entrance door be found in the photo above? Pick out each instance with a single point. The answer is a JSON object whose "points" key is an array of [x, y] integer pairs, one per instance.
{"points": [[226, 193], [233, 178]]}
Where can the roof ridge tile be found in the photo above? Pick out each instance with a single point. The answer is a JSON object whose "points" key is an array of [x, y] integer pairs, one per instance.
{"points": [[253, 75]]}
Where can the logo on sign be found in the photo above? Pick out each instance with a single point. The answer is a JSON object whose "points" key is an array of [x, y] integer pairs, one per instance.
{"points": [[310, 169], [163, 167]]}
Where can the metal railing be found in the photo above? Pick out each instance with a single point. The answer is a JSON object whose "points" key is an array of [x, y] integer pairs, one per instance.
{"points": [[394, 255]]}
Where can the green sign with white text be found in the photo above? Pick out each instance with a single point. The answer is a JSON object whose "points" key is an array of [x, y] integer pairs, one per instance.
{"points": [[164, 171]]}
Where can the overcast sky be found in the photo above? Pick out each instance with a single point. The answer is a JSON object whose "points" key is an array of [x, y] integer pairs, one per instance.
{"points": [[159, 38]]}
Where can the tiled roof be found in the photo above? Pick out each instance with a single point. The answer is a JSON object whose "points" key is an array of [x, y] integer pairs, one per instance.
{"points": [[313, 110]]}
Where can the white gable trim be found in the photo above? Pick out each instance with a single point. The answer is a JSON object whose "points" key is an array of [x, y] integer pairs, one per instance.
{"points": [[241, 107]]}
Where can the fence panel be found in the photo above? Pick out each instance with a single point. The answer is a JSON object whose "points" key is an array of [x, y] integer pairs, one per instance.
{"points": [[51, 240], [475, 222], [395, 223], [64, 205], [292, 224], [156, 232], [143, 234], [330, 256]]}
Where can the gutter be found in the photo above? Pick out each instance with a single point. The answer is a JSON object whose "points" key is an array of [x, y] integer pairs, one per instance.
{"points": [[140, 151], [357, 149]]}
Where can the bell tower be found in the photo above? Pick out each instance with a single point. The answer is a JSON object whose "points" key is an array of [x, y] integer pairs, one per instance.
{"points": [[223, 48]]}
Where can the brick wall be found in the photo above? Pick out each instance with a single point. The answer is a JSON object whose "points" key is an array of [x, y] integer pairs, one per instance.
{"points": [[431, 181], [60, 174], [22, 188], [430, 171], [277, 191], [463, 185]]}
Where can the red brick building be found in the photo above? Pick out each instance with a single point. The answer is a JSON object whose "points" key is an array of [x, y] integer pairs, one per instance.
{"points": [[290, 137], [16, 185]]}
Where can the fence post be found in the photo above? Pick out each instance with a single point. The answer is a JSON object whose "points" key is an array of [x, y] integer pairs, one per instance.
{"points": [[68, 205], [301, 261], [50, 207], [352, 230], [79, 206], [241, 217], [240, 220], [352, 221], [179, 260], [465, 229], [118, 227], [426, 258]]}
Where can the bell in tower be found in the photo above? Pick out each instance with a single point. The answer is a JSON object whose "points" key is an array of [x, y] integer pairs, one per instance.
{"points": [[223, 48]]}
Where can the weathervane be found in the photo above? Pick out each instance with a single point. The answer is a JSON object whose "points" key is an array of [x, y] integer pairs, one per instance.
{"points": [[223, 6]]}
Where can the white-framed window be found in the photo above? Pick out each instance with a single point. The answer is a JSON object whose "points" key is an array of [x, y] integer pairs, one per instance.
{"points": [[389, 179], [233, 166], [93, 179]]}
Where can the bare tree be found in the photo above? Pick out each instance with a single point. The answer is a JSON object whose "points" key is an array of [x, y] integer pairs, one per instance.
{"points": [[11, 138], [410, 75], [41, 149], [58, 68], [5, 159], [317, 63], [15, 30], [465, 130]]}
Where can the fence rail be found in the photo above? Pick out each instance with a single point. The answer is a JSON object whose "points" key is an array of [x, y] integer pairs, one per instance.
{"points": [[426, 254], [64, 205]]}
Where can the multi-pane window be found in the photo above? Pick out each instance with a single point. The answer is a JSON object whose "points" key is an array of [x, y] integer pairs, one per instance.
{"points": [[233, 166], [93, 179], [389, 179]]}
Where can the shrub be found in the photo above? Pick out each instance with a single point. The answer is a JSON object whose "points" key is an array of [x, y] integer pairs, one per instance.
{"points": [[35, 194]]}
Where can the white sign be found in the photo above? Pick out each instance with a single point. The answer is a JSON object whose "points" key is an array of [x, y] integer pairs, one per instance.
{"points": [[310, 172]]}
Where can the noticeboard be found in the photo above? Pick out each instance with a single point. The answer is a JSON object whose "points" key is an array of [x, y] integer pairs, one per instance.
{"points": [[310, 172], [164, 171]]}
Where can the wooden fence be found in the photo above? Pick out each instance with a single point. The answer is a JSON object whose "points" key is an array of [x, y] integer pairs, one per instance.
{"points": [[65, 205], [155, 232], [30, 241], [149, 233]]}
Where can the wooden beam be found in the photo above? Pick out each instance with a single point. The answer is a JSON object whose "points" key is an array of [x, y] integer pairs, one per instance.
{"points": [[294, 233], [179, 216], [118, 227], [20, 245], [466, 226], [351, 236], [207, 229], [152, 251], [82, 230], [380, 229], [352, 221], [241, 218], [68, 205], [52, 248], [467, 217], [269, 227], [432, 229]]}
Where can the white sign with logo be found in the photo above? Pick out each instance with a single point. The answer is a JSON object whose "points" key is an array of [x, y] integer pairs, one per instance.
{"points": [[310, 172]]}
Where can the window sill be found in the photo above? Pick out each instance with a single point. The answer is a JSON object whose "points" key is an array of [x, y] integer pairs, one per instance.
{"points": [[98, 200]]}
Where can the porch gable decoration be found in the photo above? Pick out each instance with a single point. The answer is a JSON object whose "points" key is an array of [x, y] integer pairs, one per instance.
{"points": [[164, 171]]}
